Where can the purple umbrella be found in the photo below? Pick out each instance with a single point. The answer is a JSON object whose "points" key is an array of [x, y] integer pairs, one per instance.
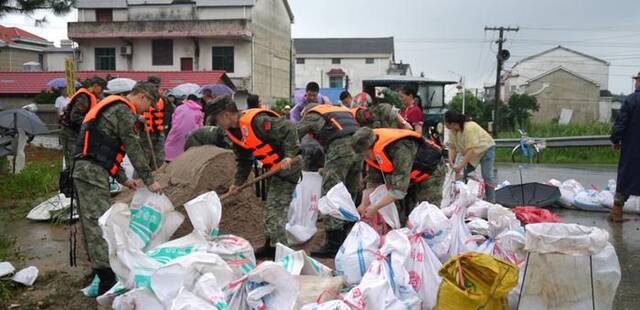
{"points": [[60, 83], [217, 90]]}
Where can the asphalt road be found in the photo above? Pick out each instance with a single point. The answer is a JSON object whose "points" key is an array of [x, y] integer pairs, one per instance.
{"points": [[625, 237]]}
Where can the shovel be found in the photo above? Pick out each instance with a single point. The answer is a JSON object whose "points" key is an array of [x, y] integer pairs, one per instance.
{"points": [[294, 161]]}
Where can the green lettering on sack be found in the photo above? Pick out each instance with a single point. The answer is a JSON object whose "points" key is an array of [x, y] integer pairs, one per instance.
{"points": [[165, 255], [145, 221]]}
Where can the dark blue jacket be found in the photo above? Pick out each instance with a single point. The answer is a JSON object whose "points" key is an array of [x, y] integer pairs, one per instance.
{"points": [[626, 131]]}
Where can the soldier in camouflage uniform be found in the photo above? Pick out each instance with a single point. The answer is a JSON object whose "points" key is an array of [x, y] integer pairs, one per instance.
{"points": [[208, 135], [156, 132], [409, 165], [380, 115], [263, 135], [333, 128], [79, 104], [108, 127]]}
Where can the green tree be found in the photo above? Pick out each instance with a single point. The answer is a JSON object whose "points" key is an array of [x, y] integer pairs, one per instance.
{"points": [[28, 7], [520, 108], [472, 107], [279, 105]]}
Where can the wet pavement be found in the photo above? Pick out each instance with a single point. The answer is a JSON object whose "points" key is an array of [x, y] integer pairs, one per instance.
{"points": [[624, 237]]}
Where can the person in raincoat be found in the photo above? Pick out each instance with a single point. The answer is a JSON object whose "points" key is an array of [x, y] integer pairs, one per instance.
{"points": [[187, 117], [626, 139], [311, 95]]}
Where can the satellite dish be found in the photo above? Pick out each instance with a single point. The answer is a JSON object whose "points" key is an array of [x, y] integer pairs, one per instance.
{"points": [[504, 55]]}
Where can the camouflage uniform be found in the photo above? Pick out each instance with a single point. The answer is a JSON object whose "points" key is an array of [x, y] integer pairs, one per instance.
{"points": [[381, 115], [156, 147], [341, 163], [68, 137], [281, 135], [91, 181], [402, 154], [312, 154], [208, 135]]}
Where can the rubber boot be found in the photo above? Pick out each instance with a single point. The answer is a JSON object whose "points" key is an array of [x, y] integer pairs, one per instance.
{"points": [[615, 215], [332, 244], [266, 251], [107, 280]]}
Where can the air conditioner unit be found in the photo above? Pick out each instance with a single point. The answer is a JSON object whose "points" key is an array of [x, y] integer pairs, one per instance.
{"points": [[125, 50]]}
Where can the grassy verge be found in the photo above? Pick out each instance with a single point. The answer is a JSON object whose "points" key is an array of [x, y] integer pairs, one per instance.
{"points": [[569, 155], [556, 130], [18, 194]]}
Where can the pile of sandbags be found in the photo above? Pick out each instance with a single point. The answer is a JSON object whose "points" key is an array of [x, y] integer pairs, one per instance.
{"points": [[467, 254], [202, 270], [575, 196]]}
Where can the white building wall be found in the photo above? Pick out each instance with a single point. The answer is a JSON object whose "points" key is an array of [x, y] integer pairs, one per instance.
{"points": [[120, 15], [315, 69], [86, 15], [55, 61], [87, 53], [241, 57], [89, 15], [143, 59], [587, 67], [223, 13]]}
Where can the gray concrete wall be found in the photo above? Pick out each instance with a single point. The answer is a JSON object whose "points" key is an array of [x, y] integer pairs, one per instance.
{"points": [[271, 27], [566, 91], [12, 59]]}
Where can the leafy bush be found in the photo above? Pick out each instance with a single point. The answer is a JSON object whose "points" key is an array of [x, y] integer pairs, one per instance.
{"points": [[46, 97], [279, 105]]}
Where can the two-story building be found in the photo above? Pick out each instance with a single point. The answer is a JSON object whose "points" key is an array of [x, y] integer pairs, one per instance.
{"points": [[248, 39], [19, 47], [343, 62], [587, 66]]}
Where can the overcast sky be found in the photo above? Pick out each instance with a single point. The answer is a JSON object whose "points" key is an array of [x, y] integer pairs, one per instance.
{"points": [[437, 37]]}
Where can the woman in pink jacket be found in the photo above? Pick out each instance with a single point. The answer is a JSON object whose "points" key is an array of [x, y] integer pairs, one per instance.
{"points": [[186, 118]]}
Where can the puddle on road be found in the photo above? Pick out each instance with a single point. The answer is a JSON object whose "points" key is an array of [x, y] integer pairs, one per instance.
{"points": [[46, 245]]}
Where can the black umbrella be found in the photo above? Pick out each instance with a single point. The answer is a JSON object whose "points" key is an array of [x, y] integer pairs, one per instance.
{"points": [[23, 119], [528, 194]]}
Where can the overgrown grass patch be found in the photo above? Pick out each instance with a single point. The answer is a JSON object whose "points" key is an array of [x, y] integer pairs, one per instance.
{"points": [[36, 180], [557, 130], [569, 155]]}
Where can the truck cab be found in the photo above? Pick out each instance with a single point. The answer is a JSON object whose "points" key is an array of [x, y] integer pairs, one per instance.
{"points": [[430, 96]]}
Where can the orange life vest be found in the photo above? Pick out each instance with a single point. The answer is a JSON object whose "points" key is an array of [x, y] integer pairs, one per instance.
{"points": [[269, 155], [65, 120], [95, 145], [155, 118], [426, 161], [339, 123]]}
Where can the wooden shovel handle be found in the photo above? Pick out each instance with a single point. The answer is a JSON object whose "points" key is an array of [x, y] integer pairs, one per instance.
{"points": [[294, 161]]}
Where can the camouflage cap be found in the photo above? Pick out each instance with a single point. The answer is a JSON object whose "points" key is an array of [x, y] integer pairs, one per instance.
{"points": [[98, 80], [154, 79], [148, 89], [363, 139], [218, 105]]}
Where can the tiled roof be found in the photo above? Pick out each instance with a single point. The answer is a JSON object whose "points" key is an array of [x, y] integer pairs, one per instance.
{"points": [[344, 46], [7, 34], [28, 83]]}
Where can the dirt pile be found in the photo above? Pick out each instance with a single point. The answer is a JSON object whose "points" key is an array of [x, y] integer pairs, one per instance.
{"points": [[203, 169]]}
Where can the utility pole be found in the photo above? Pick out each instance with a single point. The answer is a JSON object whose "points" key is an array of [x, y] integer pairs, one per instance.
{"points": [[502, 56]]}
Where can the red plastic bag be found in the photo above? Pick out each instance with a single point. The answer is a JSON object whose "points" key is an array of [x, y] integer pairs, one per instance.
{"points": [[531, 215]]}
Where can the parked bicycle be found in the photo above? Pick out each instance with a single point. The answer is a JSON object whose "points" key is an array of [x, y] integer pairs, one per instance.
{"points": [[528, 150]]}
